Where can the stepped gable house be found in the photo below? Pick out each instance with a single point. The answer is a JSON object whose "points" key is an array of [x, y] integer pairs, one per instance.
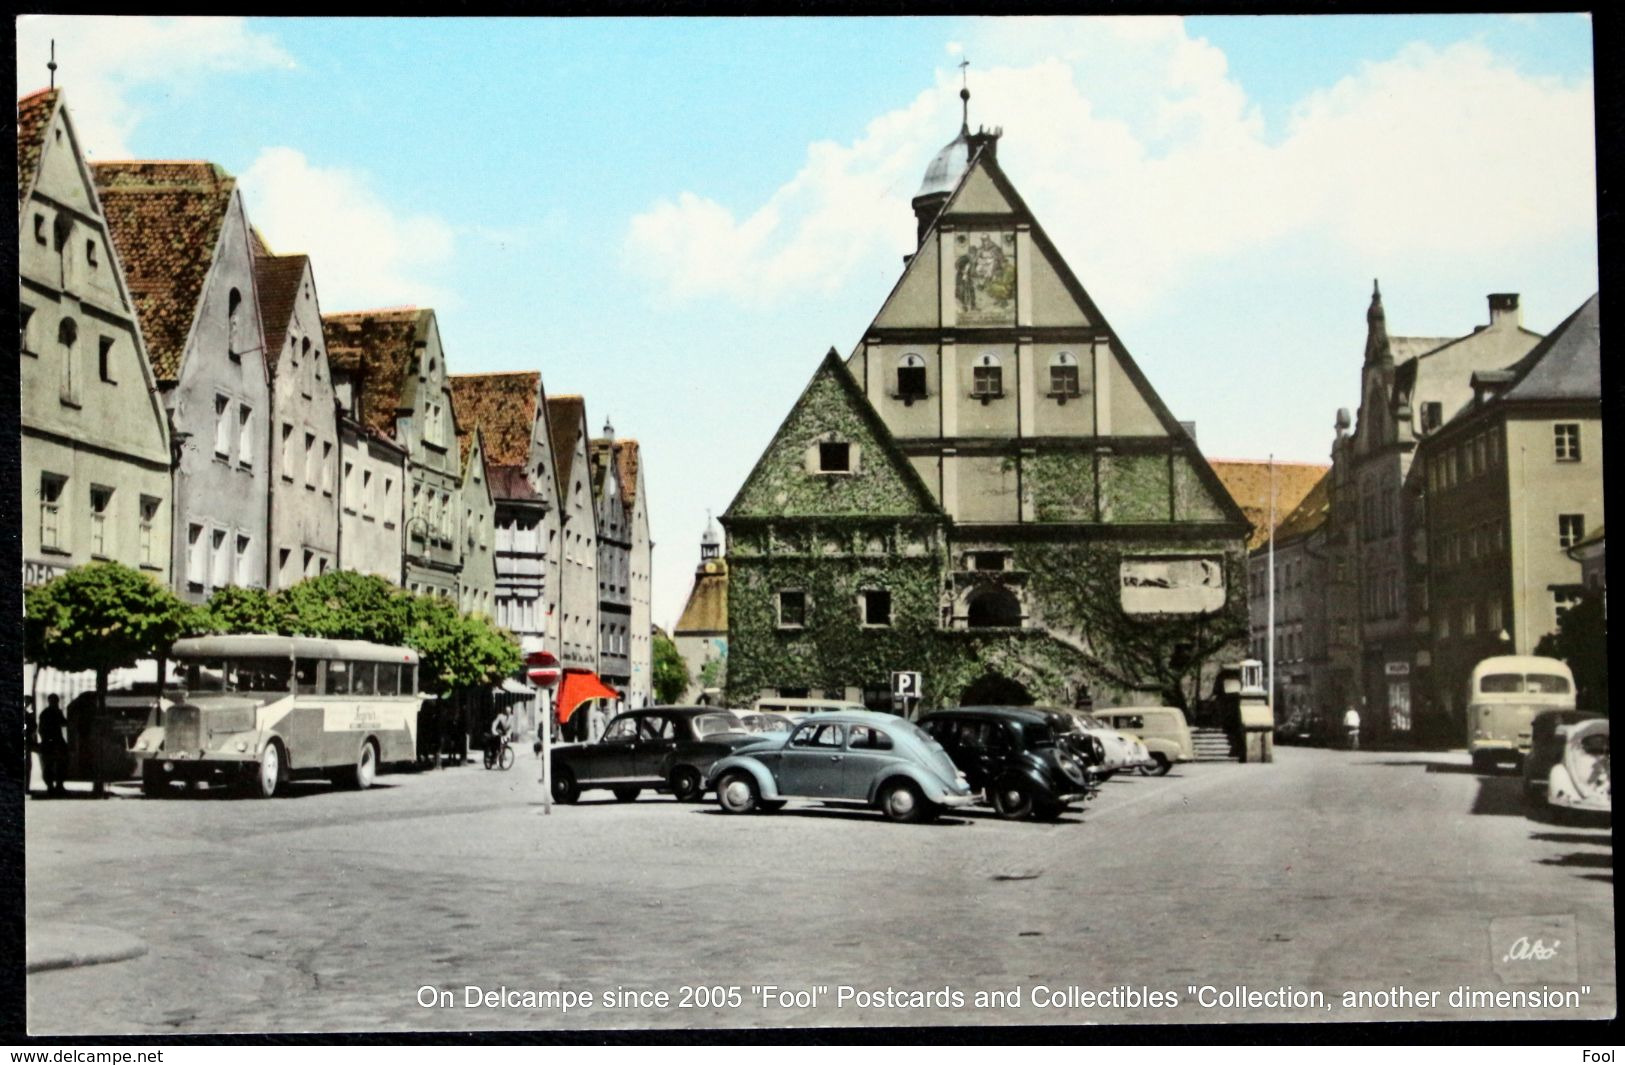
{"points": [[398, 354], [304, 452], [624, 554], [183, 239], [578, 624], [987, 490], [95, 444], [477, 591], [511, 411]]}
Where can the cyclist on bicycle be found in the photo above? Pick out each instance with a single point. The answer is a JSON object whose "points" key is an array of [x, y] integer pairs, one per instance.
{"points": [[501, 729]]}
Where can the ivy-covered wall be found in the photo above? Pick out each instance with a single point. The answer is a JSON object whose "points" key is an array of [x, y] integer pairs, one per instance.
{"points": [[780, 485], [1134, 487], [1061, 485]]}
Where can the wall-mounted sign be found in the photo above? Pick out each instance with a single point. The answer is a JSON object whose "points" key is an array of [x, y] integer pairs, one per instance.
{"points": [[1398, 669], [1172, 585]]}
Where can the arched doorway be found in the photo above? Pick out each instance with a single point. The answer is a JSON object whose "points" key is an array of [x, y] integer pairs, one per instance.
{"points": [[993, 607], [994, 690]]}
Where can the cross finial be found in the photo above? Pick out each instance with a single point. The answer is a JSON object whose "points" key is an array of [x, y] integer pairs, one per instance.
{"points": [[51, 66]]}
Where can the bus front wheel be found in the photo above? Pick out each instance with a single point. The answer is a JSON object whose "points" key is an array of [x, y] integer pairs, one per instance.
{"points": [[269, 775], [361, 775]]}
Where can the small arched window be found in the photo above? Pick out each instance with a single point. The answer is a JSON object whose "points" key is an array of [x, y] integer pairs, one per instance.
{"points": [[911, 378], [67, 339], [1063, 376], [234, 313], [987, 377]]}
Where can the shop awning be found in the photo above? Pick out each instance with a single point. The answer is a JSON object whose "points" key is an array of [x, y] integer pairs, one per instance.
{"points": [[580, 686]]}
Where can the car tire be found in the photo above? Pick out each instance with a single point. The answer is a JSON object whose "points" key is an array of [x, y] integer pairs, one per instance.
{"points": [[154, 785], [737, 793], [902, 802], [686, 785], [1483, 762], [1160, 769], [565, 788], [1013, 801], [268, 777], [626, 794]]}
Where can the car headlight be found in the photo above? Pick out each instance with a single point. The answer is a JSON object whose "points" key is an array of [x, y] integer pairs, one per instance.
{"points": [[242, 746], [1098, 749], [1073, 771]]}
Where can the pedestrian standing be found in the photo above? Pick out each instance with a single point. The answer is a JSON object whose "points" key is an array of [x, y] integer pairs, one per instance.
{"points": [[53, 746], [30, 743], [1351, 725]]}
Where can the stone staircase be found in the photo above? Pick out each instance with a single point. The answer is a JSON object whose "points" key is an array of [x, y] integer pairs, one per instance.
{"points": [[1212, 745]]}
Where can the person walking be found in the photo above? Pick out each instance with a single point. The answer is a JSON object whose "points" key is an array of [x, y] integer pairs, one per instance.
{"points": [[1351, 725], [53, 746]]}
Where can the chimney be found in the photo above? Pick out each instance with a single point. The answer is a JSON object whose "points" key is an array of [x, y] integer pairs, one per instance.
{"points": [[1504, 308]]}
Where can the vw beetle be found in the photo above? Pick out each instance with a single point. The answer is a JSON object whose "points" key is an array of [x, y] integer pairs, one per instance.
{"points": [[845, 756]]}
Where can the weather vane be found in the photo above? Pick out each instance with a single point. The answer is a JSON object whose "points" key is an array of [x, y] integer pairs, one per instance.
{"points": [[51, 66]]}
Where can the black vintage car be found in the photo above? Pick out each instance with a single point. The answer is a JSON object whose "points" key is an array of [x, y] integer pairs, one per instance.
{"points": [[1014, 756], [668, 747]]}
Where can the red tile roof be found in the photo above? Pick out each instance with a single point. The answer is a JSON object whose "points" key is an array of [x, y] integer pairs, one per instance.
{"points": [[377, 349], [1310, 514], [566, 422], [277, 279], [503, 405], [165, 220], [1248, 482], [626, 459], [34, 113]]}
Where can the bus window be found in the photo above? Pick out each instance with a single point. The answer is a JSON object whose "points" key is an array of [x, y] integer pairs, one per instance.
{"points": [[307, 676], [206, 675], [1546, 684], [338, 678], [389, 676], [260, 674], [409, 680], [1501, 683], [361, 678]]}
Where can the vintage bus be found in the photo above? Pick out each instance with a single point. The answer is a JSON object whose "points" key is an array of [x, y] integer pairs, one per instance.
{"points": [[1506, 693], [260, 710]]}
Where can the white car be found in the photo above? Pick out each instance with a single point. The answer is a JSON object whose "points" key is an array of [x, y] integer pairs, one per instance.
{"points": [[1119, 750]]}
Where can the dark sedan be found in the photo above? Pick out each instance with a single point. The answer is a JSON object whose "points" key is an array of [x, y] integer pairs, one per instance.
{"points": [[1013, 755], [667, 747]]}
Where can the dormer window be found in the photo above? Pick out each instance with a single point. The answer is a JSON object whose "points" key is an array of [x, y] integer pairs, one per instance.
{"points": [[987, 377], [911, 378], [1063, 377], [835, 456], [1432, 415]]}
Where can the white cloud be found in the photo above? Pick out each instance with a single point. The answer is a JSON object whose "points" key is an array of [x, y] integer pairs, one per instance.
{"points": [[104, 60], [366, 254], [1146, 162]]}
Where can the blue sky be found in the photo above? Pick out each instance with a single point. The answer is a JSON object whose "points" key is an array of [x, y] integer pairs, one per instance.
{"points": [[677, 218]]}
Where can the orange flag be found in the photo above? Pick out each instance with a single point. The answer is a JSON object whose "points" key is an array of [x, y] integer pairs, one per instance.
{"points": [[579, 686]]}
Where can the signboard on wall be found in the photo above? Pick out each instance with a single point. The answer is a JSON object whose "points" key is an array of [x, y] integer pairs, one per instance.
{"points": [[1172, 585]]}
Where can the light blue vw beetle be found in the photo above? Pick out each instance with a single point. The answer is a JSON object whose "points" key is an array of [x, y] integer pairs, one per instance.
{"points": [[848, 756]]}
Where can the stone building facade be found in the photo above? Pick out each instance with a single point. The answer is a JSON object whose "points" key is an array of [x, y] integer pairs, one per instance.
{"points": [[95, 443], [987, 490], [184, 242], [372, 479], [578, 556], [407, 399], [614, 563], [1301, 568], [701, 634], [1410, 387], [304, 452], [477, 585], [1511, 483]]}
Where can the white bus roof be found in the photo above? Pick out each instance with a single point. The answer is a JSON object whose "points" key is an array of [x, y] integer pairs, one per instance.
{"points": [[290, 647], [1522, 664]]}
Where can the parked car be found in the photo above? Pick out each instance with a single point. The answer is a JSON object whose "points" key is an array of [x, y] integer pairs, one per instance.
{"points": [[801, 707], [770, 721], [1013, 755], [1161, 728], [669, 747], [1119, 751], [101, 747], [849, 756], [1578, 771]]}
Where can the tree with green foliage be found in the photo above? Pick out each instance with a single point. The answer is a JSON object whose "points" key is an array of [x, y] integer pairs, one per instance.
{"points": [[670, 671], [232, 610], [1581, 640], [103, 616], [345, 605], [457, 650]]}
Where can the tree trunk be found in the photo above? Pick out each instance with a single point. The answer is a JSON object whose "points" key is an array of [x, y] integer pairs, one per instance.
{"points": [[96, 733]]}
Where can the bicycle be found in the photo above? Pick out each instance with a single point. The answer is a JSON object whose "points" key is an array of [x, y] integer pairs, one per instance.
{"points": [[501, 755]]}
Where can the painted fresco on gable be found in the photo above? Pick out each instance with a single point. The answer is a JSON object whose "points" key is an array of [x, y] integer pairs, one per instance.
{"points": [[985, 277]]}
